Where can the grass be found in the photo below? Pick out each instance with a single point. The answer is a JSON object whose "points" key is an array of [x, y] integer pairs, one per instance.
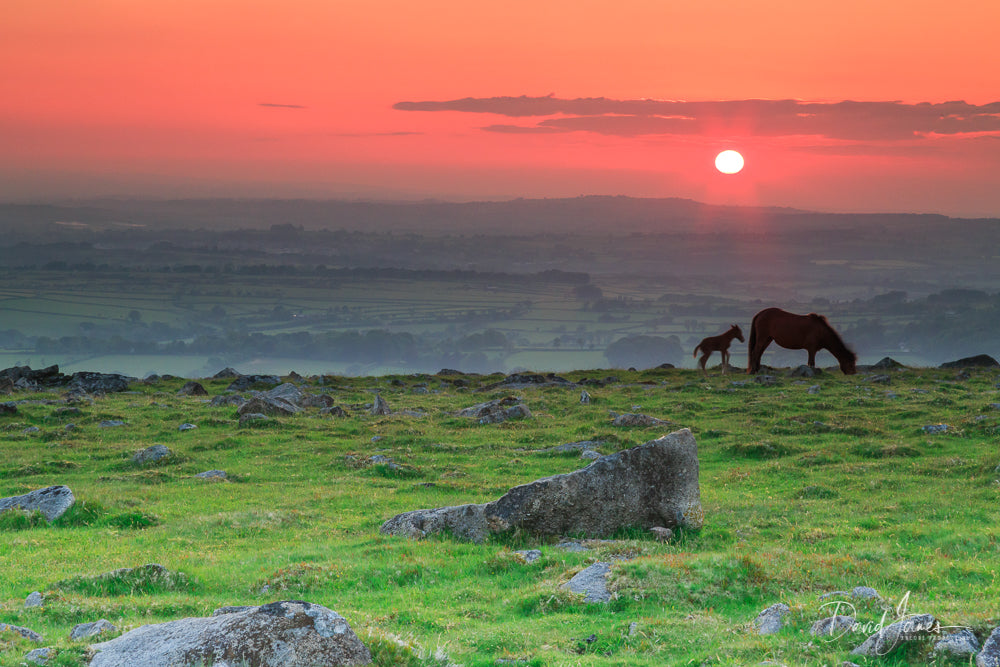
{"points": [[803, 494]]}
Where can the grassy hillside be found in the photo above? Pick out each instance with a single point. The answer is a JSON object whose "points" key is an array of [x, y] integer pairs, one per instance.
{"points": [[805, 492]]}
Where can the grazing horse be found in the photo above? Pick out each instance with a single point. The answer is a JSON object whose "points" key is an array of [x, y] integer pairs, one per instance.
{"points": [[797, 332], [719, 344]]}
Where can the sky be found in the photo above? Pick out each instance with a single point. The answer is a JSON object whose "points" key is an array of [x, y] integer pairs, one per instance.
{"points": [[846, 105]]}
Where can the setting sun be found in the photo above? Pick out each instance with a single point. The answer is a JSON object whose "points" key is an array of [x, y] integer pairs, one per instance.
{"points": [[729, 162]]}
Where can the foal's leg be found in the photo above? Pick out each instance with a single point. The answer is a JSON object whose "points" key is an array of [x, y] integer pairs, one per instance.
{"points": [[725, 361]]}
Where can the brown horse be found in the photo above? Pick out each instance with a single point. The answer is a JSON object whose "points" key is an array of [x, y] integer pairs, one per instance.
{"points": [[797, 332], [719, 344]]}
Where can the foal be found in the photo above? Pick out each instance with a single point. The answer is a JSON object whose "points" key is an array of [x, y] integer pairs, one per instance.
{"points": [[720, 344]]}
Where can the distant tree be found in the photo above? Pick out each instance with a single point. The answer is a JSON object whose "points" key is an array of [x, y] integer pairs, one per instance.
{"points": [[644, 351], [588, 292]]}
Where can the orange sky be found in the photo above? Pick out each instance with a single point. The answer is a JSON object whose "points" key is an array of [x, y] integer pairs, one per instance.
{"points": [[296, 98]]}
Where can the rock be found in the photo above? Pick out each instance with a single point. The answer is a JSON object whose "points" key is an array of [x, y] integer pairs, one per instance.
{"points": [[316, 401], [31, 429], [893, 636], [590, 455], [380, 407], [286, 392], [111, 423], [33, 600], [886, 364], [572, 546], [766, 380], [334, 411], [654, 484], [865, 593], [226, 374], [262, 404], [449, 372], [978, 361], [990, 655], [832, 626], [814, 389], [244, 382], [294, 377], [232, 610], [30, 635], [804, 372], [212, 474], [38, 656], [961, 644], [523, 380], [631, 419], [52, 502], [252, 418], [879, 379], [8, 408], [592, 583], [584, 397], [935, 428], [529, 555], [771, 620], [223, 400], [280, 634], [497, 411], [99, 383], [662, 534], [192, 388], [187, 427], [582, 445], [67, 412], [88, 630], [151, 454]]}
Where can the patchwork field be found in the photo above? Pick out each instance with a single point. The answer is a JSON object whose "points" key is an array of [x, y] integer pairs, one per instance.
{"points": [[809, 486]]}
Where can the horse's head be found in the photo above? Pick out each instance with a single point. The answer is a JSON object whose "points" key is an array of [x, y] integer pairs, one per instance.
{"points": [[849, 364], [735, 330]]}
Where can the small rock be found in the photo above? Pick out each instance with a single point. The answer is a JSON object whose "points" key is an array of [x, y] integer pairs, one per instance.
{"points": [[227, 399], [584, 397], [33, 600], [990, 655], [70, 411], [771, 620], [38, 656], [832, 626], [865, 593], [69, 427], [804, 372], [151, 454], [766, 380], [813, 389], [226, 373], [591, 582], [936, 428], [633, 627], [186, 427], [87, 630], [590, 454], [880, 379], [632, 419], [212, 474], [253, 418], [334, 411], [192, 388], [30, 635], [111, 423], [31, 429], [571, 546], [530, 555], [962, 644], [893, 636], [662, 534], [380, 407], [52, 501]]}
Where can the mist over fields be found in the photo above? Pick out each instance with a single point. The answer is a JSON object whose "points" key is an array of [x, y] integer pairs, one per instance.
{"points": [[190, 286]]}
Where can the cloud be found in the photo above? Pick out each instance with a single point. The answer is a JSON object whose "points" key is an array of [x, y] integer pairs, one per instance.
{"points": [[845, 120], [281, 106]]}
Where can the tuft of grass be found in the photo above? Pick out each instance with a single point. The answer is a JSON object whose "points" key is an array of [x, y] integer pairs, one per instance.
{"points": [[148, 579]]}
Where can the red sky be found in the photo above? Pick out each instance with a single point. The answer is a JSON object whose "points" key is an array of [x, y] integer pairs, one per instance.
{"points": [[469, 100]]}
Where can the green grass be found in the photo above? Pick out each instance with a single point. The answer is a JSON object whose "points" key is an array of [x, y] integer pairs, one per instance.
{"points": [[803, 494]]}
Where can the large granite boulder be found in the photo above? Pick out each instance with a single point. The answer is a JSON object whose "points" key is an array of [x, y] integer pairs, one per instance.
{"points": [[99, 383], [280, 634], [978, 361], [263, 404], [655, 484], [52, 502]]}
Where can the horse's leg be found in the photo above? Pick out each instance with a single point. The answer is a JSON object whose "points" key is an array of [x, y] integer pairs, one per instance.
{"points": [[725, 361], [703, 361], [758, 352], [812, 358]]}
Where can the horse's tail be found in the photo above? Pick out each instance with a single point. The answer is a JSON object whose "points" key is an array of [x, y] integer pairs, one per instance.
{"points": [[695, 353]]}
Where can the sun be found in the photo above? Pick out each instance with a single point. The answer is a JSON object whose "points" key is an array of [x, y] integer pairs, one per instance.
{"points": [[729, 162]]}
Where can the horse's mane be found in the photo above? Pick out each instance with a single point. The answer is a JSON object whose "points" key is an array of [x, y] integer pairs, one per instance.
{"points": [[838, 347]]}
